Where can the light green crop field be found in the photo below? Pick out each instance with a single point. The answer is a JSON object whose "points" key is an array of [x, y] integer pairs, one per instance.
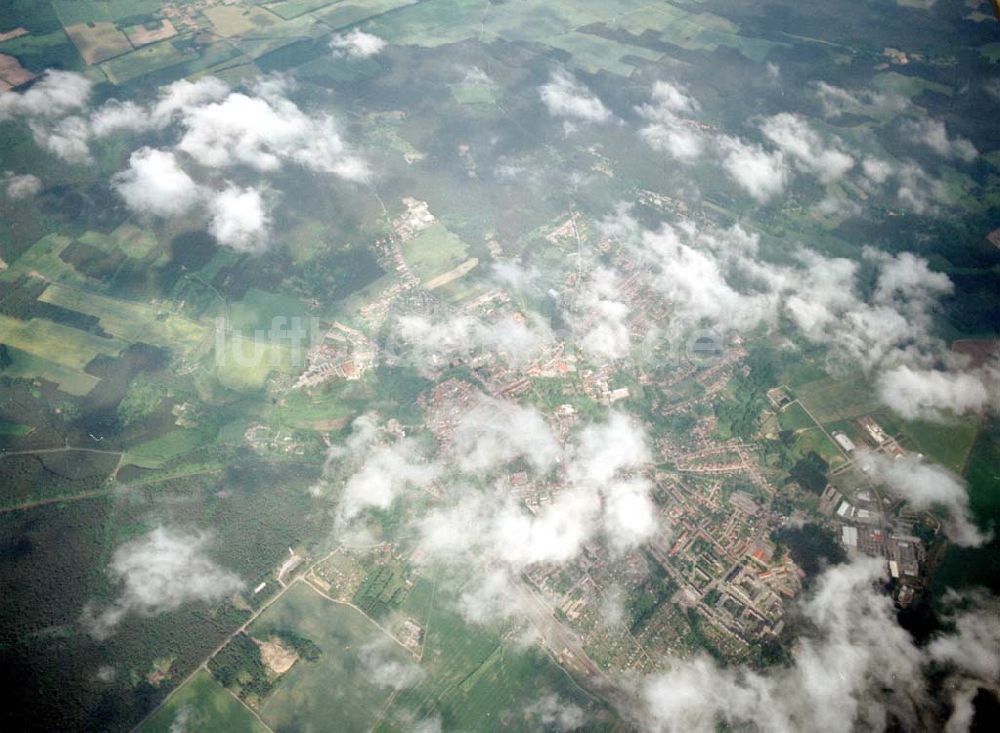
{"points": [[68, 347], [133, 241], [334, 693], [202, 704], [134, 322], [434, 251]]}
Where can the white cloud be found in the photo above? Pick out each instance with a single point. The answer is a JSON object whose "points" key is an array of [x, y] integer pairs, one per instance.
{"points": [[65, 138], [263, 133], [603, 325], [920, 192], [386, 665], [56, 94], [838, 101], [238, 219], [760, 173], [803, 144], [493, 433], [667, 131], [162, 571], [930, 394], [557, 715], [934, 135], [434, 342], [565, 97], [356, 44], [924, 486], [155, 184], [387, 471], [20, 186]]}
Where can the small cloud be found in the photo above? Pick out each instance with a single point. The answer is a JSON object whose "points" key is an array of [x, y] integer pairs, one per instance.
{"points": [[158, 572], [803, 145], [934, 395], [56, 94], [934, 135], [155, 184], [356, 45], [20, 186], [567, 98], [239, 219], [760, 173]]}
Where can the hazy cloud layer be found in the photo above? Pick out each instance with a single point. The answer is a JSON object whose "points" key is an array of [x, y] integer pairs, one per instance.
{"points": [[858, 669], [925, 486]]}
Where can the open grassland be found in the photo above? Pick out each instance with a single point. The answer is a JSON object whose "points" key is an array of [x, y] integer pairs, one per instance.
{"points": [[793, 417], [434, 251], [133, 241], [949, 444], [98, 42], [202, 705], [68, 347], [830, 400], [244, 363], [134, 322], [336, 692]]}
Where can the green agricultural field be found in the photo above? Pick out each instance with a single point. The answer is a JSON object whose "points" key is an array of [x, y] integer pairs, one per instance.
{"points": [[133, 241], [68, 347], [334, 693], [30, 366], [134, 322], [144, 61], [349, 12], [434, 251], [98, 41], [238, 20], [202, 705], [71, 12], [594, 54], [288, 9], [42, 260], [156, 452]]}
